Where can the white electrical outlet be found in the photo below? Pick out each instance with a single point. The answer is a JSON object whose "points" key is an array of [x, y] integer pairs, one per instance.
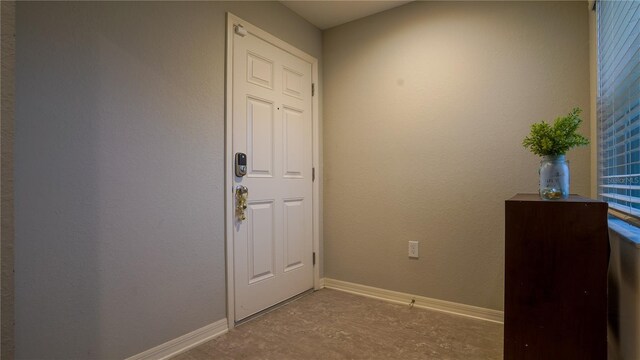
{"points": [[413, 249]]}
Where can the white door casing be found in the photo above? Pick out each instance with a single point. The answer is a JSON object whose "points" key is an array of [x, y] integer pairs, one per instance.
{"points": [[270, 117]]}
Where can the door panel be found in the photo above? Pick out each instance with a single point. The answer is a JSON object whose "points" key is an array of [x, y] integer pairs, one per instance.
{"points": [[261, 241], [292, 83], [293, 231], [260, 140], [272, 124], [259, 70], [294, 142]]}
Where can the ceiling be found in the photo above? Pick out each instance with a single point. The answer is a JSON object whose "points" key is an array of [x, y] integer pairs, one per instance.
{"points": [[327, 14]]}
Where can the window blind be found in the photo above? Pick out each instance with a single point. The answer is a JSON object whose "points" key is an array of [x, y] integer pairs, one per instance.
{"points": [[618, 29]]}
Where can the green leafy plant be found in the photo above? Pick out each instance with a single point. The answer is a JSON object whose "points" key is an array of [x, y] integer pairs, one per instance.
{"points": [[547, 139]]}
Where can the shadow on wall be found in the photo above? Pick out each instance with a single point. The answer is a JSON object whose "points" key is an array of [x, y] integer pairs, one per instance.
{"points": [[624, 292]]}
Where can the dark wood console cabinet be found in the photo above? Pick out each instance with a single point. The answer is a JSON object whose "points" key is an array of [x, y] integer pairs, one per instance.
{"points": [[556, 261]]}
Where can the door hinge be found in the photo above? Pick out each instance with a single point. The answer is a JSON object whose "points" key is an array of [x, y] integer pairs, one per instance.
{"points": [[314, 258], [313, 174], [313, 89]]}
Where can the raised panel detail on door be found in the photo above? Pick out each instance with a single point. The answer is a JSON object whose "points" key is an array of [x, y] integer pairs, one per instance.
{"points": [[292, 83], [259, 70], [260, 137], [261, 241], [294, 136], [293, 231], [271, 123]]}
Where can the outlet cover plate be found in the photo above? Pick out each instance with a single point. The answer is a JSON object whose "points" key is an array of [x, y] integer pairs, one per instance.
{"points": [[413, 249]]}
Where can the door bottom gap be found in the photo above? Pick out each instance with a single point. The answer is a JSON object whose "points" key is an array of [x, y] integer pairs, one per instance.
{"points": [[274, 307]]}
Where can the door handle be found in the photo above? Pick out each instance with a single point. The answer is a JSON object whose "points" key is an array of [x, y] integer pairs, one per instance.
{"points": [[242, 194]]}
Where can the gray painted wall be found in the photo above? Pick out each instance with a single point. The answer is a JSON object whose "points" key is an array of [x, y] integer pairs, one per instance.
{"points": [[431, 102], [7, 88], [119, 163]]}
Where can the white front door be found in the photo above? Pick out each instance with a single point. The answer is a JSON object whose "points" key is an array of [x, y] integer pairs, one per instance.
{"points": [[272, 125]]}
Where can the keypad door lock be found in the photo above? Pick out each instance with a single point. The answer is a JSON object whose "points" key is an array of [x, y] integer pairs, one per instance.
{"points": [[241, 164]]}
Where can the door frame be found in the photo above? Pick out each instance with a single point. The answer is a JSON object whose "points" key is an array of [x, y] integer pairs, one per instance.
{"points": [[232, 20]]}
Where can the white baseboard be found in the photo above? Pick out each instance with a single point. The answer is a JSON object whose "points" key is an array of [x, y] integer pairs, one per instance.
{"points": [[183, 343], [321, 283], [421, 301]]}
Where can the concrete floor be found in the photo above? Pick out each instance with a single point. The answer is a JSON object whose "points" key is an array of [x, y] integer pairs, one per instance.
{"points": [[330, 324]]}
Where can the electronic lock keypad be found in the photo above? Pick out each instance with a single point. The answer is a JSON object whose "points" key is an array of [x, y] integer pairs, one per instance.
{"points": [[241, 164]]}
